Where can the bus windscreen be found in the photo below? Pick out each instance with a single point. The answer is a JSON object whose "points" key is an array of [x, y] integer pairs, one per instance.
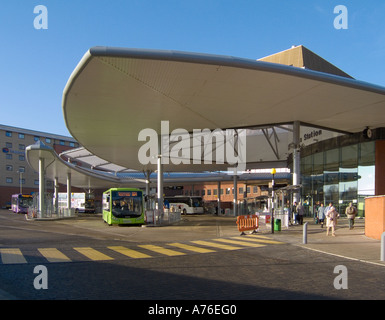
{"points": [[126, 203]]}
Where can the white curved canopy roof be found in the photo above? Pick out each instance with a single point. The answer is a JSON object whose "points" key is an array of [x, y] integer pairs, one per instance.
{"points": [[114, 93]]}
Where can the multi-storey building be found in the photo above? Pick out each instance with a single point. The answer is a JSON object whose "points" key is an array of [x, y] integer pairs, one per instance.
{"points": [[16, 176]]}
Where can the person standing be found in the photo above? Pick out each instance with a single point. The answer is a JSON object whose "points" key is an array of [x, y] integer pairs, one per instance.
{"points": [[321, 214], [331, 216], [300, 212], [351, 212]]}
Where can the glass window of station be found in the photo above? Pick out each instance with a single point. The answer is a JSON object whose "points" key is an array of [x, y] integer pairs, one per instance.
{"points": [[340, 176]]}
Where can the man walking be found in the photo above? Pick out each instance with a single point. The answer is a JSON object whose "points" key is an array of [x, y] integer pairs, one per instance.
{"points": [[351, 214], [321, 214]]}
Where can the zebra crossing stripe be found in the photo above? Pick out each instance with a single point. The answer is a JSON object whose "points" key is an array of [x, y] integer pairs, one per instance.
{"points": [[161, 250], [242, 243], [215, 245], [54, 255], [259, 240], [12, 256], [190, 248], [93, 254], [129, 252]]}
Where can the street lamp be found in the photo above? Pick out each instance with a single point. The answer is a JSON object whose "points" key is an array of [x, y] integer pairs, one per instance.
{"points": [[273, 172]]}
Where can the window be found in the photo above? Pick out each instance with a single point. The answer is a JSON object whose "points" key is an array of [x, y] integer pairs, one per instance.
{"points": [[36, 138], [21, 135], [72, 144], [21, 158], [36, 182], [48, 140], [8, 156], [9, 167], [8, 133], [227, 190], [62, 143], [209, 192], [21, 147], [21, 169], [8, 144], [8, 180]]}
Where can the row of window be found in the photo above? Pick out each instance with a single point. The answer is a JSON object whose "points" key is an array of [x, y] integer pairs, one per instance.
{"points": [[36, 138], [215, 191], [10, 180], [10, 146], [9, 156], [9, 167]]}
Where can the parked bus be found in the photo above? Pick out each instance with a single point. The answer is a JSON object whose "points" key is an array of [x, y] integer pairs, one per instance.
{"points": [[184, 204], [21, 202], [123, 206]]}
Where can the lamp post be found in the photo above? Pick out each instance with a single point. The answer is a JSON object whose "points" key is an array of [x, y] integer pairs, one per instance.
{"points": [[273, 172]]}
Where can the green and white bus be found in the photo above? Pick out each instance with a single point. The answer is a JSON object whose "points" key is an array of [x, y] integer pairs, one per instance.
{"points": [[123, 206]]}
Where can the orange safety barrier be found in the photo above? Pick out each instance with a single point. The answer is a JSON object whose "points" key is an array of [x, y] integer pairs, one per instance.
{"points": [[248, 222]]}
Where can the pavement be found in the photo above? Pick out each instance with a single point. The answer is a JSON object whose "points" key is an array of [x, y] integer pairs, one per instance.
{"points": [[349, 244]]}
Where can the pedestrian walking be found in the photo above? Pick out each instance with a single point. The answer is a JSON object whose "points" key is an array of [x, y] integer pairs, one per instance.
{"points": [[321, 214], [331, 219], [294, 211], [300, 212], [351, 212]]}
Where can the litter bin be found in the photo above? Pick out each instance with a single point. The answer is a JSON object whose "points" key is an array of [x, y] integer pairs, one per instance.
{"points": [[277, 224]]}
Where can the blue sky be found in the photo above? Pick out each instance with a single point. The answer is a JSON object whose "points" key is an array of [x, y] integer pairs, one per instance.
{"points": [[36, 64]]}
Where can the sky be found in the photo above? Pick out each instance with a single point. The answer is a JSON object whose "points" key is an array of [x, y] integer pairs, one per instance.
{"points": [[35, 64]]}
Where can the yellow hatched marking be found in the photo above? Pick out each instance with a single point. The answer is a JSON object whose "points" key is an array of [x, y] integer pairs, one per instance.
{"points": [[241, 243], [191, 248], [54, 255], [265, 240], [93, 254], [161, 250], [215, 245], [11, 256], [129, 252]]}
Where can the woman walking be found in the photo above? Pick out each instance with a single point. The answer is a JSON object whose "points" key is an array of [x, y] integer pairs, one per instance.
{"points": [[331, 215]]}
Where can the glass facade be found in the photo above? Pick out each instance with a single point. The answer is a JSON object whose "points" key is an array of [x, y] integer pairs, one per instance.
{"points": [[339, 175]]}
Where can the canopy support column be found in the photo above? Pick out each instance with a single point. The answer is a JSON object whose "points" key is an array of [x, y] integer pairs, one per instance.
{"points": [[235, 205], [69, 191], [160, 180], [41, 186], [296, 160], [56, 186], [219, 198]]}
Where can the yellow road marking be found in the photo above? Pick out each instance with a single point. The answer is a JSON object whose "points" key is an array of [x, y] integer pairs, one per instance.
{"points": [[241, 243], [190, 248], [161, 250], [265, 240], [11, 256], [93, 254], [215, 245], [129, 252], [54, 255]]}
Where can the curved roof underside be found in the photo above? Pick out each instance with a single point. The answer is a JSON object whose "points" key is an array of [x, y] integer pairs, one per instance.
{"points": [[83, 177], [114, 93]]}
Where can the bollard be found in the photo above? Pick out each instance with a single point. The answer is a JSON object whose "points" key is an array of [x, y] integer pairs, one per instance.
{"points": [[305, 233], [383, 246]]}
